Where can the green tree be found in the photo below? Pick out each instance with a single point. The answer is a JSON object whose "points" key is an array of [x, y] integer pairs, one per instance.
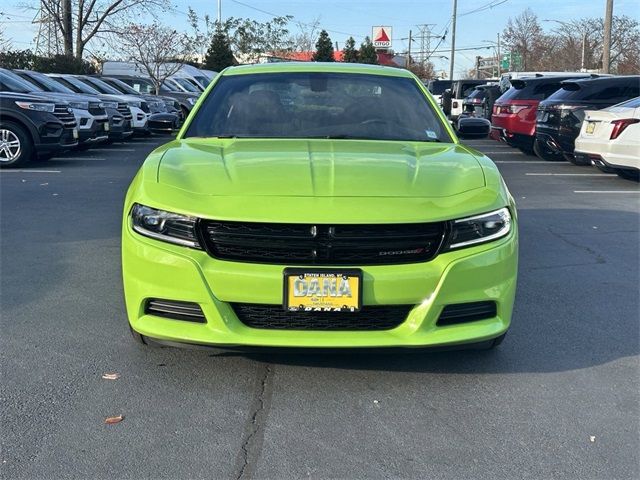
{"points": [[324, 48], [350, 53], [219, 55], [368, 52]]}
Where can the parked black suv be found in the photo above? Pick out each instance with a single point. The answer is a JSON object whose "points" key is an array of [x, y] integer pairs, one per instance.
{"points": [[560, 116], [92, 118], [32, 126]]}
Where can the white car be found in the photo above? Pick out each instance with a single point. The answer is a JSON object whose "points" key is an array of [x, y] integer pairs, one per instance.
{"points": [[610, 138]]}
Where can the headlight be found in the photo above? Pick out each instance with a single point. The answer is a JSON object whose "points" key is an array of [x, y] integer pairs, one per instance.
{"points": [[479, 229], [192, 101], [79, 105], [38, 107], [134, 104], [165, 226], [113, 105]]}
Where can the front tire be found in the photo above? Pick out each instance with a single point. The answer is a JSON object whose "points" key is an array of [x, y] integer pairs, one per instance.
{"points": [[544, 153], [16, 146]]}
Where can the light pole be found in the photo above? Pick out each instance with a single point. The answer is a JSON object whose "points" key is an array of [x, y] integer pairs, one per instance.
{"points": [[606, 51], [584, 40], [453, 38], [219, 12]]}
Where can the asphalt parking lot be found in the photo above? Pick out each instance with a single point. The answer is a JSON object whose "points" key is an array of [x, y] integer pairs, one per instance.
{"points": [[558, 399]]}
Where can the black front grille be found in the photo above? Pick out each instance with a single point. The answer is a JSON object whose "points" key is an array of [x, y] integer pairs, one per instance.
{"points": [[306, 244], [123, 108], [467, 312], [65, 115], [175, 310], [276, 318], [96, 110]]}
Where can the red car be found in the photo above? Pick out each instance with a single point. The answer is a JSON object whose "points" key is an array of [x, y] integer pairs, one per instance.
{"points": [[514, 113]]}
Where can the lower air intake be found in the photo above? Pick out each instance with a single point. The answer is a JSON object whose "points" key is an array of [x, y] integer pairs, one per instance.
{"points": [[467, 312], [276, 318], [190, 312]]}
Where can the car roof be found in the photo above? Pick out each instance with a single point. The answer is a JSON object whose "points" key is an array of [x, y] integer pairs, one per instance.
{"points": [[326, 67], [614, 79]]}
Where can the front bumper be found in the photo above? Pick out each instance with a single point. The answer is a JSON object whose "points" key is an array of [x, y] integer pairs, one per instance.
{"points": [[153, 269]]}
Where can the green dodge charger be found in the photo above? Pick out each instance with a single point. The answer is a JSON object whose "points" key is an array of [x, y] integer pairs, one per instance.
{"points": [[318, 205]]}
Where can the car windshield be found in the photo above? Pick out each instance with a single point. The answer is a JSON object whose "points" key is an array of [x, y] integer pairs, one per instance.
{"points": [[186, 84], [318, 105], [99, 85], [76, 85], [120, 86], [45, 82], [13, 83]]}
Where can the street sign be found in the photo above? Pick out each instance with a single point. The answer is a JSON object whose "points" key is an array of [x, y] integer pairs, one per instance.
{"points": [[511, 61], [381, 37]]}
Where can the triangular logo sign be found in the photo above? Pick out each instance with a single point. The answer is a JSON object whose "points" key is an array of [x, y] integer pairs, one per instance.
{"points": [[383, 37]]}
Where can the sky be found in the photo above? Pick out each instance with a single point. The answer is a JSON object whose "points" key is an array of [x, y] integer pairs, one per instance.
{"points": [[343, 18]]}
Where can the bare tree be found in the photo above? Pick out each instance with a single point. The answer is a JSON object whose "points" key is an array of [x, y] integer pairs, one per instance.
{"points": [[525, 36], [5, 43], [305, 39], [79, 21], [158, 50]]}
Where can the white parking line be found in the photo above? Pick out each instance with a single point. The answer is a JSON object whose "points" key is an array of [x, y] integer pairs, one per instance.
{"points": [[516, 152], [29, 171], [91, 159], [114, 149], [606, 191], [574, 174], [530, 161]]}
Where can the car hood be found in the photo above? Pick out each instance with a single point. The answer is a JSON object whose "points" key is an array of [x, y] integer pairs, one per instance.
{"points": [[318, 168]]}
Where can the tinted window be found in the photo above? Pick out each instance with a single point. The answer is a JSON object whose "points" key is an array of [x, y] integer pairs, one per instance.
{"points": [[633, 103], [13, 83], [599, 90], [438, 88], [317, 105], [99, 85], [45, 82]]}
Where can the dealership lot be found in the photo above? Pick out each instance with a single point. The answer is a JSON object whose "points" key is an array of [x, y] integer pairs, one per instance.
{"points": [[557, 399]]}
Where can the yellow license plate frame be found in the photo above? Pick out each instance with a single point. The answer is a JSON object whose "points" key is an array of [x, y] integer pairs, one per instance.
{"points": [[591, 127], [322, 290]]}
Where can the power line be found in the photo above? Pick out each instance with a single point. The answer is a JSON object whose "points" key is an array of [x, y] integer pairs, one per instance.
{"points": [[301, 23]]}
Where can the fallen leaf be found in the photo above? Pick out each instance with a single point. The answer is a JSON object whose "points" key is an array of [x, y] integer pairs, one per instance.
{"points": [[111, 420], [111, 376]]}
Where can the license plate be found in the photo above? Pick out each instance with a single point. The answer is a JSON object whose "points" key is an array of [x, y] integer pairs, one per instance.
{"points": [[106, 127], [323, 290], [75, 133], [591, 126]]}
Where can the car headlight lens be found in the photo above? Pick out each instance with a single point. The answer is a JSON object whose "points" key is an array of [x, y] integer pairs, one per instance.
{"points": [[38, 107], [192, 101], [134, 104], [113, 105], [79, 105], [479, 228], [165, 226]]}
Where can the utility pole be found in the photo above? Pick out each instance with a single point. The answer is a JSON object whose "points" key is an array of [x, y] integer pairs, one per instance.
{"points": [[606, 53], [409, 52], [478, 57], [219, 12], [453, 38], [584, 50], [499, 58]]}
